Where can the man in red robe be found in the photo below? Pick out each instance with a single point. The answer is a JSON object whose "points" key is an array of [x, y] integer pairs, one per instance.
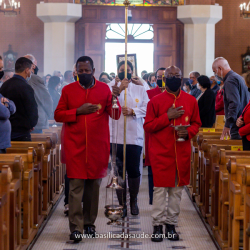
{"points": [[170, 159], [84, 108]]}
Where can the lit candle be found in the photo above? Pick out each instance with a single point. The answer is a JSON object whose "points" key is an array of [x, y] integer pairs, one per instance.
{"points": [[4, 6], [241, 7], [18, 5], [15, 5], [12, 2], [1, 2], [244, 5]]}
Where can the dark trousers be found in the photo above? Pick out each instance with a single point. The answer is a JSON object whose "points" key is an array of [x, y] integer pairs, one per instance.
{"points": [[22, 138], [246, 144], [79, 217], [3, 151], [133, 157], [150, 185], [37, 131]]}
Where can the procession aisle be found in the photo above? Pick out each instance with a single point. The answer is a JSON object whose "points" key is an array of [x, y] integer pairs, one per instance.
{"points": [[193, 234]]}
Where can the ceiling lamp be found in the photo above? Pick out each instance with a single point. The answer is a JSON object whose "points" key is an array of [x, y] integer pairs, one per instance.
{"points": [[244, 10], [10, 7]]}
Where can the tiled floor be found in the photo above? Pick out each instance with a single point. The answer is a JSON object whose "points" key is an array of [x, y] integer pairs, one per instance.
{"points": [[193, 234]]}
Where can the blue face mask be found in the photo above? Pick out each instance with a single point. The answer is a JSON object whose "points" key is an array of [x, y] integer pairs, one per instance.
{"points": [[153, 85], [191, 81], [218, 82]]}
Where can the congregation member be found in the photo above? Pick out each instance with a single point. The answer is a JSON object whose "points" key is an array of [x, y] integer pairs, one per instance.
{"points": [[214, 85], [206, 102], [219, 100], [143, 73], [42, 97], [53, 87], [67, 79], [158, 76], [7, 108], [135, 111], [151, 80], [247, 81], [7, 75], [236, 96], [83, 106], [46, 80], [193, 76], [112, 75], [104, 75], [105, 80], [187, 87], [170, 159], [1, 71], [21, 93]]}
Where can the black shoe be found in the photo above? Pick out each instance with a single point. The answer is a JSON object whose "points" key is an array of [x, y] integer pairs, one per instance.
{"points": [[124, 211], [171, 234], [90, 231], [134, 185], [76, 236], [157, 234]]}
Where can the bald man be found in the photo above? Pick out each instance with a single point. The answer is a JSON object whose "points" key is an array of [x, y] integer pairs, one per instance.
{"points": [[236, 96], [169, 158]]}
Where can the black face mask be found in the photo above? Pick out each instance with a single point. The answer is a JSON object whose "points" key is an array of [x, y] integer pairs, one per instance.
{"points": [[36, 70], [85, 79], [121, 75], [159, 82], [75, 77], [1, 74], [173, 83]]}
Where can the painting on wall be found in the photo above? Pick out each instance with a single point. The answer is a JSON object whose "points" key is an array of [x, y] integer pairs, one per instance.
{"points": [[246, 61], [9, 59], [131, 58]]}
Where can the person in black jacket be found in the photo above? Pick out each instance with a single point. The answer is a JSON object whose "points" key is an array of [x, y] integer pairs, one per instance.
{"points": [[206, 102], [21, 93]]}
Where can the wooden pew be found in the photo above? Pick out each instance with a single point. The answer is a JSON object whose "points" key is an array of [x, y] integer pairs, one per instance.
{"points": [[235, 168], [220, 121], [16, 167], [53, 123], [28, 193], [43, 151], [246, 190], [204, 170], [5, 179]]}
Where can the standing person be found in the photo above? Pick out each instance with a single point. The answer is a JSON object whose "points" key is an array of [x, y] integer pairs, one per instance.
{"points": [[46, 80], [170, 159], [83, 106], [7, 75], [21, 93], [7, 108], [135, 111], [143, 73], [1, 71], [206, 102], [214, 85], [42, 97], [158, 76], [187, 87], [67, 79], [236, 96], [219, 101], [152, 80], [54, 85], [112, 74], [193, 76]]}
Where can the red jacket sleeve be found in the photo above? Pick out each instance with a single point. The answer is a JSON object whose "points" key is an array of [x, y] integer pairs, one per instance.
{"points": [[117, 112], [152, 122], [195, 122], [62, 113], [245, 130], [219, 104]]}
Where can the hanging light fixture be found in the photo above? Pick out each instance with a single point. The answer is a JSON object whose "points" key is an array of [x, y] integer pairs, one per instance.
{"points": [[244, 10], [10, 7]]}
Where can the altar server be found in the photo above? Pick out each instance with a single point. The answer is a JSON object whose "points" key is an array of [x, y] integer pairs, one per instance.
{"points": [[169, 158], [84, 108]]}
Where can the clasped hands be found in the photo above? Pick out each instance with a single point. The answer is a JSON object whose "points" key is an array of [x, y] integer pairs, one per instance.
{"points": [[174, 113]]}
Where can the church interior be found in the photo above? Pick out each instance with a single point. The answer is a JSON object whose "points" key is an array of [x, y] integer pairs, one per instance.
{"points": [[107, 106]]}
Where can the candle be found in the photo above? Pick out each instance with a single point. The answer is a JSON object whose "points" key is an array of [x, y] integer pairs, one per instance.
{"points": [[0, 2], [15, 5], [241, 7], [4, 6], [18, 5]]}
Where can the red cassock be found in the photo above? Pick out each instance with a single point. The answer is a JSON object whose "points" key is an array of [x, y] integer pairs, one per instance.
{"points": [[166, 154], [86, 137], [151, 93]]}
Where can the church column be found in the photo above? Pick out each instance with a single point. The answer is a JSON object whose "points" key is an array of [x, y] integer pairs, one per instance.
{"points": [[199, 36], [59, 34]]}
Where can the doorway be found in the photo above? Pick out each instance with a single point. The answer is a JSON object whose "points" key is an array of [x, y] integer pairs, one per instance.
{"points": [[140, 42]]}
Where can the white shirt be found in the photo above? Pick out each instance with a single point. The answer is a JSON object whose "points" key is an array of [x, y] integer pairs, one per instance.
{"points": [[137, 99]]}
